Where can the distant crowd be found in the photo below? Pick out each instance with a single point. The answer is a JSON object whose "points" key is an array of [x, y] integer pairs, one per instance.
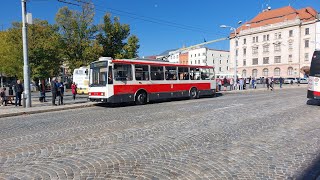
{"points": [[245, 83], [57, 89]]}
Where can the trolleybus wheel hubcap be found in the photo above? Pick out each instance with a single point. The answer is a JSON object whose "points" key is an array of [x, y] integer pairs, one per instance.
{"points": [[193, 93], [141, 98]]}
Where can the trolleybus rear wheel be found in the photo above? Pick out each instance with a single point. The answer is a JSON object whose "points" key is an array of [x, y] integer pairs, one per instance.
{"points": [[141, 98], [194, 93]]}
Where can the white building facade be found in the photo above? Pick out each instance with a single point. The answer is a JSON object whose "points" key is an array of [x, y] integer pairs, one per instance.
{"points": [[276, 43], [205, 57]]}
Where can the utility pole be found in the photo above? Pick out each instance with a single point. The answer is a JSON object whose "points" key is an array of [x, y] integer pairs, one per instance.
{"points": [[26, 71]]}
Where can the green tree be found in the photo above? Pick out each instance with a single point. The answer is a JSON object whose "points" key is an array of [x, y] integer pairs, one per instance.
{"points": [[43, 50], [11, 58], [77, 30], [116, 40]]}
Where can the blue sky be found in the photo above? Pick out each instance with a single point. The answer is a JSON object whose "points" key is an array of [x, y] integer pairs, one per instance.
{"points": [[162, 24]]}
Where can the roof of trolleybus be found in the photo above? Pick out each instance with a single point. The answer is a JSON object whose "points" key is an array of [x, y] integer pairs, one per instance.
{"points": [[152, 62]]}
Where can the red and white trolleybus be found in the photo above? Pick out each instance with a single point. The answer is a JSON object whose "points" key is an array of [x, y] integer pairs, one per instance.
{"points": [[141, 81], [314, 79]]}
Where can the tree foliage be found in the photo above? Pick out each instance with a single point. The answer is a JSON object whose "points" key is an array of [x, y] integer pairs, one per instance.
{"points": [[115, 39], [43, 50], [77, 30]]}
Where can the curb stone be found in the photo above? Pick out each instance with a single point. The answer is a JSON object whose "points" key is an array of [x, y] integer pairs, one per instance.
{"points": [[27, 112]]}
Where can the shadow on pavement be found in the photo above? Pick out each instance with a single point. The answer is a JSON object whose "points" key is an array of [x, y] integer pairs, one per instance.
{"points": [[119, 105], [312, 172]]}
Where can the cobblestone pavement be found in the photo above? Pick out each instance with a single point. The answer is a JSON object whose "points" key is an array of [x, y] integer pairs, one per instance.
{"points": [[263, 135]]}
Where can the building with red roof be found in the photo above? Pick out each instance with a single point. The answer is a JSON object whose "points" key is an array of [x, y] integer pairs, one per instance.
{"points": [[276, 43]]}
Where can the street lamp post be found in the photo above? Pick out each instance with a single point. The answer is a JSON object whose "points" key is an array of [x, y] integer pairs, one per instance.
{"points": [[235, 50], [26, 73]]}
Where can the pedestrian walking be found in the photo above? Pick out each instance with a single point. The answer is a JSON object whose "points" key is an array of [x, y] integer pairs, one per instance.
{"points": [[241, 84], [60, 86], [74, 90], [54, 91], [231, 84], [219, 84], [225, 83], [267, 83], [253, 81], [3, 97], [42, 91], [271, 83], [18, 88], [280, 81]]}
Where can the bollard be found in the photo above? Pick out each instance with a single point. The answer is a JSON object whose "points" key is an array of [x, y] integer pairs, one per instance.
{"points": [[23, 99]]}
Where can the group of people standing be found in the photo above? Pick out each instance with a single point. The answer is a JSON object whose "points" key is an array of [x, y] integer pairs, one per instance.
{"points": [[18, 88], [57, 90], [241, 83]]}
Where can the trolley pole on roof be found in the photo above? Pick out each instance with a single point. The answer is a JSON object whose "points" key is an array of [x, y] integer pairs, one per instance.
{"points": [[26, 70]]}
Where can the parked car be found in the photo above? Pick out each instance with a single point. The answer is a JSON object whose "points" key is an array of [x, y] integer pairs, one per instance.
{"points": [[303, 81], [289, 80]]}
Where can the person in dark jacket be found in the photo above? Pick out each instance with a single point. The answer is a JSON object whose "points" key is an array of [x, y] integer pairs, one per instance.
{"points": [[18, 88], [54, 91], [60, 92]]}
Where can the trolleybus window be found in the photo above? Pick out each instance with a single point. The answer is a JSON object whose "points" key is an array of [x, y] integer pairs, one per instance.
{"points": [[122, 72], [157, 73], [315, 64], [171, 73], [183, 73], [142, 72], [99, 76], [194, 74]]}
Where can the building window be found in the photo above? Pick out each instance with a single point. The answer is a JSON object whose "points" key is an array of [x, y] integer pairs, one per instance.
{"points": [[195, 61], [244, 62], [255, 61], [277, 47], [244, 51], [277, 35], [277, 71], [220, 62], [254, 73], [290, 71], [220, 69], [253, 39], [265, 48], [291, 33], [198, 61], [195, 55], [237, 52], [290, 45], [257, 40], [266, 37], [203, 54], [198, 54], [266, 60], [212, 61], [254, 50], [265, 72], [191, 55], [237, 43], [277, 59], [244, 73], [227, 68], [307, 31], [244, 41], [306, 43], [306, 56], [290, 58]]}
